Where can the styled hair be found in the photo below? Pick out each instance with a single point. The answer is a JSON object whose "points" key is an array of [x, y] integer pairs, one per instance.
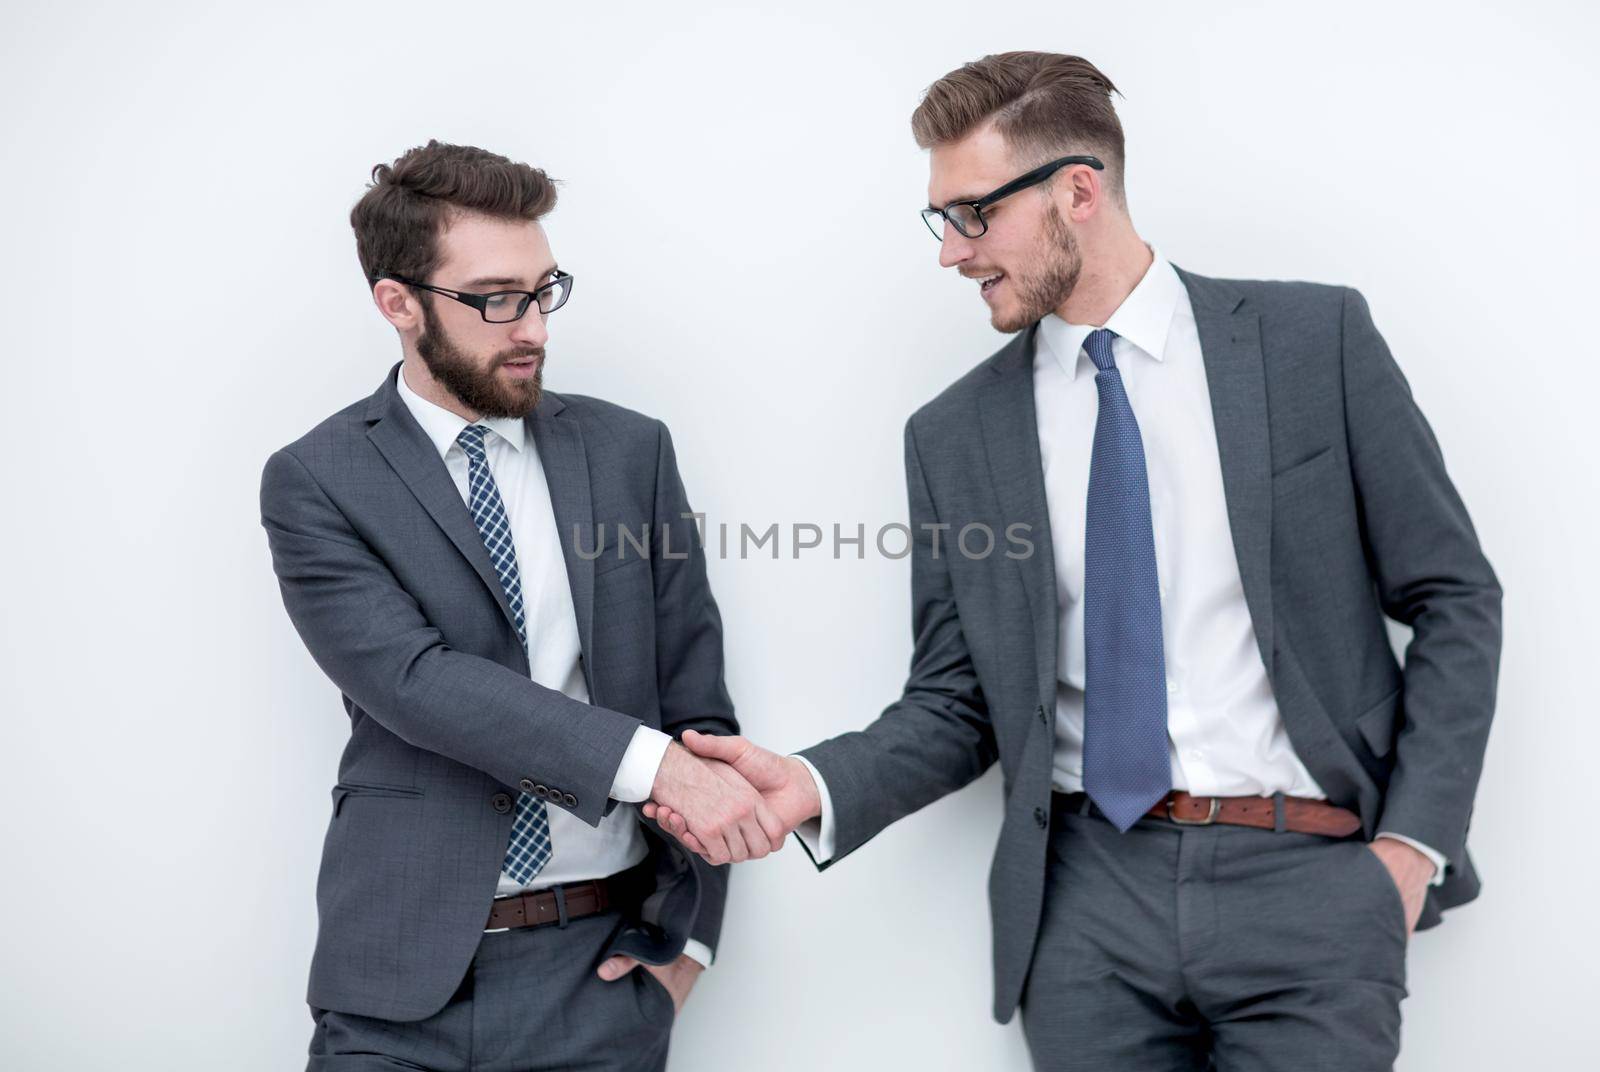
{"points": [[1043, 104], [409, 203]]}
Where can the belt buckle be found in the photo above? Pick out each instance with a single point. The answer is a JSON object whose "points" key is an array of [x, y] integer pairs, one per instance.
{"points": [[1211, 815]]}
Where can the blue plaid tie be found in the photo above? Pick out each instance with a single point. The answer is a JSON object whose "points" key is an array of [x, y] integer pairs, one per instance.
{"points": [[1125, 762], [530, 829]]}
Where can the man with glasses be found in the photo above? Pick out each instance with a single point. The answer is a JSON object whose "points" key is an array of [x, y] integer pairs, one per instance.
{"points": [[514, 672], [1227, 805]]}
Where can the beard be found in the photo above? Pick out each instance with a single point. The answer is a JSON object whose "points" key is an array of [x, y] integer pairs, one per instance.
{"points": [[1048, 284], [475, 383]]}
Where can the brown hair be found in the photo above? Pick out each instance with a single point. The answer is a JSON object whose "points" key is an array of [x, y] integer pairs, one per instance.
{"points": [[408, 203], [1043, 104]]}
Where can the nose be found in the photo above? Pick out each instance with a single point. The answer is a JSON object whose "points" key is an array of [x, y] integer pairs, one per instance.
{"points": [[531, 330], [954, 248]]}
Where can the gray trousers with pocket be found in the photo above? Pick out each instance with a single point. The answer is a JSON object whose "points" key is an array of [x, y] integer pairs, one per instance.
{"points": [[1175, 947], [530, 1000]]}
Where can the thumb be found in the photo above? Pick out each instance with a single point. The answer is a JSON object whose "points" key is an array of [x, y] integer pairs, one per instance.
{"points": [[709, 746], [616, 967]]}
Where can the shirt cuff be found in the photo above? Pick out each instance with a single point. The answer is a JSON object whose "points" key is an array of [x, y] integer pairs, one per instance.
{"points": [[817, 834], [698, 952], [1438, 860], [636, 774]]}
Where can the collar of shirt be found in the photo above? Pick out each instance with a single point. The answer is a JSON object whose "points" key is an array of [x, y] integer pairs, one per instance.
{"points": [[442, 426], [1142, 319]]}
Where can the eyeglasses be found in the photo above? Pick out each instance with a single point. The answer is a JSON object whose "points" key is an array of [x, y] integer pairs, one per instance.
{"points": [[967, 216], [504, 306]]}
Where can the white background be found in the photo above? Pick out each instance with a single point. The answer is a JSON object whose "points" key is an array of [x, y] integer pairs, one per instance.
{"points": [[181, 297]]}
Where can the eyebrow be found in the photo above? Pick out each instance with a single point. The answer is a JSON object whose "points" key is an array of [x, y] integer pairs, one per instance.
{"points": [[506, 280], [957, 200]]}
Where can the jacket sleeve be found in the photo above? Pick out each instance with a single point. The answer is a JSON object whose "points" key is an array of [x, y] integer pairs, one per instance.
{"points": [[689, 659], [937, 736], [372, 640], [1431, 575]]}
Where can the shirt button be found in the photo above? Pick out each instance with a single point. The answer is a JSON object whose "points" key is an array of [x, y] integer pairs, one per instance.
{"points": [[1172, 687]]}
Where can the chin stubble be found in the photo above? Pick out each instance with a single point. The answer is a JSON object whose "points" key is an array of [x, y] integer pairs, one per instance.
{"points": [[1044, 290]]}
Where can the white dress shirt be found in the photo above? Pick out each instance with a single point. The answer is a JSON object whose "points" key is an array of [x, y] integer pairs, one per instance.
{"points": [[578, 851], [1225, 734]]}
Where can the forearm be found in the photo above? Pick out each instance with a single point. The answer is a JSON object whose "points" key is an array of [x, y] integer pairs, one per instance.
{"points": [[372, 640], [707, 926], [1432, 575], [917, 751], [937, 737], [689, 656], [1448, 705]]}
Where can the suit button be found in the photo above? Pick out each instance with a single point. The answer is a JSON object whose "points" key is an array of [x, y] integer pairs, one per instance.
{"points": [[1041, 818], [526, 785], [571, 801], [501, 802], [541, 791], [1041, 714]]}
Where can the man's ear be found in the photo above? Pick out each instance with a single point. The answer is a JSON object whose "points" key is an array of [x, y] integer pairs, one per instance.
{"points": [[397, 304], [1075, 199]]}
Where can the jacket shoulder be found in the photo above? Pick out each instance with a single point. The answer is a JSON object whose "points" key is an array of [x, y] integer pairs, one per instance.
{"points": [[955, 402], [332, 433], [1274, 296], [609, 421]]}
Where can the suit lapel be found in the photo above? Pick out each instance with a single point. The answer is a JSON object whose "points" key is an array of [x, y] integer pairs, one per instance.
{"points": [[556, 436], [559, 439], [1230, 342], [406, 447], [1011, 442]]}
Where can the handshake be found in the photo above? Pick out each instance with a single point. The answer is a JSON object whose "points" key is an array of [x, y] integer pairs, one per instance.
{"points": [[729, 800]]}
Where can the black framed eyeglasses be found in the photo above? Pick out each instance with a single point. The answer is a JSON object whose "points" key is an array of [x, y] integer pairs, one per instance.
{"points": [[503, 306], [967, 216]]}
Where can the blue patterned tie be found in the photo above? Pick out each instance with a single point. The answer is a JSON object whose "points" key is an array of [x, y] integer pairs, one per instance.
{"points": [[1125, 762], [530, 830]]}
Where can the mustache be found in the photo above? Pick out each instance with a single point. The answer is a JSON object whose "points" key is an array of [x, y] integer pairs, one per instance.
{"points": [[521, 355]]}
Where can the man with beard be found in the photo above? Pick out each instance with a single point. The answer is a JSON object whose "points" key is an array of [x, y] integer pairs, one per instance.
{"points": [[448, 551], [1227, 805]]}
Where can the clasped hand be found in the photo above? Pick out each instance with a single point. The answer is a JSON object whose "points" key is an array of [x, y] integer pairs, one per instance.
{"points": [[729, 800]]}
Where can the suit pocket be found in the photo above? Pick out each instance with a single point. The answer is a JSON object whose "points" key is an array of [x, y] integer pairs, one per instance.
{"points": [[1377, 724], [662, 997], [610, 563], [1390, 892], [344, 790], [1304, 472]]}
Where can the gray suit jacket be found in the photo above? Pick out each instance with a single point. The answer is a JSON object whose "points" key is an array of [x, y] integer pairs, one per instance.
{"points": [[1341, 514], [388, 582]]}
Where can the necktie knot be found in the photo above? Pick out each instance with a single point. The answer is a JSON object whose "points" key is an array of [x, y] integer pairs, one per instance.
{"points": [[471, 440], [1098, 346]]}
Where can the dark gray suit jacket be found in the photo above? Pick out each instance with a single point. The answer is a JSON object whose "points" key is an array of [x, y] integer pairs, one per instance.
{"points": [[1341, 514], [387, 581]]}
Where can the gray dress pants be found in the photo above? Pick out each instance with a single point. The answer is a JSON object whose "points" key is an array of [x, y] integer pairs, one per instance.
{"points": [[1191, 947], [529, 1001]]}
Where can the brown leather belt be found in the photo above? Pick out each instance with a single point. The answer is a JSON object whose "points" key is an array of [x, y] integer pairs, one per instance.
{"points": [[1300, 814], [535, 908]]}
